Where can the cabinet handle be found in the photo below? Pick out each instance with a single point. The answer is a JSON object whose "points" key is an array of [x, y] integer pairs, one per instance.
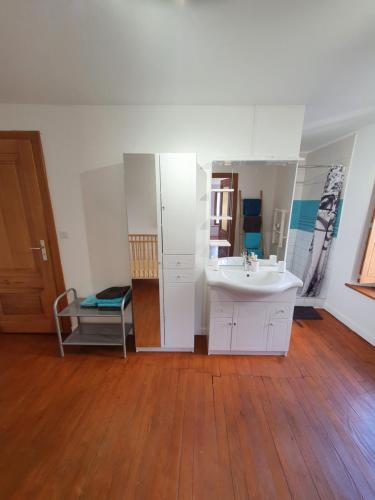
{"points": [[271, 324], [230, 323], [234, 324], [178, 263], [280, 311]]}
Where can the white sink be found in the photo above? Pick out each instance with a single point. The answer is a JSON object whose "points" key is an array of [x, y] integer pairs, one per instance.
{"points": [[260, 278], [263, 282]]}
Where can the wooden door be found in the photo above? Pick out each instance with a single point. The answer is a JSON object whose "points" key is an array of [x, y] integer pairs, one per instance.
{"points": [[249, 331], [227, 229], [178, 201], [367, 274], [29, 280]]}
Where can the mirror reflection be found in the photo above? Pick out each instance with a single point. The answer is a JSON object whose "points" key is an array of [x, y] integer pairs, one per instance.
{"points": [[140, 185], [250, 208]]}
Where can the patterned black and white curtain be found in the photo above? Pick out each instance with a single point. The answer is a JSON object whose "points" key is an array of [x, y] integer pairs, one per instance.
{"points": [[323, 232]]}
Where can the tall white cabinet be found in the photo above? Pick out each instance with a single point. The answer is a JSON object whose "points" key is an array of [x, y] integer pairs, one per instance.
{"points": [[177, 174], [178, 202]]}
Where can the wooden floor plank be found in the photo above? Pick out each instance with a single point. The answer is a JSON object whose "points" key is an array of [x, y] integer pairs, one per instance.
{"points": [[310, 394], [113, 457], [330, 476], [298, 474], [256, 435], [189, 426], [225, 472]]}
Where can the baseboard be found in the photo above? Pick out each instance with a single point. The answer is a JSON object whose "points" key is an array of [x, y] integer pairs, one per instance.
{"points": [[350, 324], [247, 353], [165, 349]]}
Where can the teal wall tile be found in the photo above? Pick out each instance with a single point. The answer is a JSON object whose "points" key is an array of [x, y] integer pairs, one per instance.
{"points": [[304, 215]]}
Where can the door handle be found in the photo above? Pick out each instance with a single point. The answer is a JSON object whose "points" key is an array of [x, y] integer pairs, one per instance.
{"points": [[42, 249]]}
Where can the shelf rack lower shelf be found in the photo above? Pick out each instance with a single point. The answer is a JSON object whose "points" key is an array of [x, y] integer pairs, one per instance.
{"points": [[96, 334]]}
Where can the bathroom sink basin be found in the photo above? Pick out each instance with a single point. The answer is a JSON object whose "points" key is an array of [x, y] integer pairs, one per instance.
{"points": [[260, 278], [266, 281]]}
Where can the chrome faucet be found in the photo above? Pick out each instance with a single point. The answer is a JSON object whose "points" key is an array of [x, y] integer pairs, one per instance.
{"points": [[251, 263], [245, 260]]}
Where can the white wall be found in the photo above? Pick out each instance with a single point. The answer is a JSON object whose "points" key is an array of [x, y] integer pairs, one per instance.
{"points": [[103, 195], [352, 308], [79, 139]]}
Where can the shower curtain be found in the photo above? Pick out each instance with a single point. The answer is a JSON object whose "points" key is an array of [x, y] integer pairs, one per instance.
{"points": [[323, 231]]}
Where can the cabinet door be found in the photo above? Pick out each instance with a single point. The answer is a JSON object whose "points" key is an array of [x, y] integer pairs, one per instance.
{"points": [[179, 318], [279, 334], [178, 202], [220, 334], [249, 327]]}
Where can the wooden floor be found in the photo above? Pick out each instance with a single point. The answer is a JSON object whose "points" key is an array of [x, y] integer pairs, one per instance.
{"points": [[168, 426]]}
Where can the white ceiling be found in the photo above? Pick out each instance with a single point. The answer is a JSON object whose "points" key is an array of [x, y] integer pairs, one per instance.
{"points": [[315, 52]]}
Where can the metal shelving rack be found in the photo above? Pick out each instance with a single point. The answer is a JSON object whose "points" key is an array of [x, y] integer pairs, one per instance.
{"points": [[92, 334]]}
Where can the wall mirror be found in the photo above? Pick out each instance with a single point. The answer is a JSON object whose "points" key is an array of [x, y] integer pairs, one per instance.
{"points": [[250, 208], [144, 241]]}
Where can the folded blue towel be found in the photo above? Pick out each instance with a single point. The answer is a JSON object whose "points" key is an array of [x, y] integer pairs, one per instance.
{"points": [[252, 206], [253, 240], [90, 301], [109, 302]]}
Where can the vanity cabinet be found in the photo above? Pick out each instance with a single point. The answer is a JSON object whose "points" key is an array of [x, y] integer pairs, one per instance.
{"points": [[278, 334], [256, 327], [249, 332], [221, 337]]}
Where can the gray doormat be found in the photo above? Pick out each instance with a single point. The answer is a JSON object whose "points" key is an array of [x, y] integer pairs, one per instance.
{"points": [[305, 312]]}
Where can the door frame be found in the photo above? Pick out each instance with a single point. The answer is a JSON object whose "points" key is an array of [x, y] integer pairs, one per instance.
{"points": [[234, 177], [36, 143]]}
